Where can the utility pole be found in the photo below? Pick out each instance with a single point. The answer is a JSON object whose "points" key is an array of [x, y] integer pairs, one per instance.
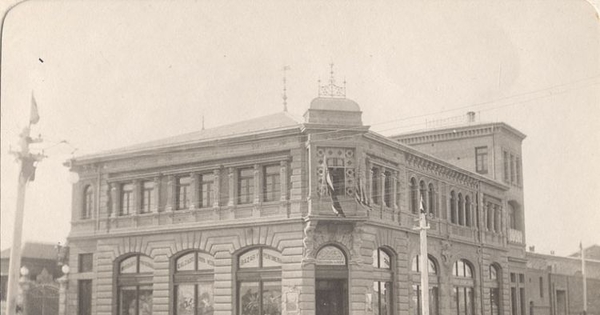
{"points": [[27, 162], [584, 279], [424, 258]]}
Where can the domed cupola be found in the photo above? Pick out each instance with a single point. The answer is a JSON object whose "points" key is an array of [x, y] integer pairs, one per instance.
{"points": [[332, 107]]}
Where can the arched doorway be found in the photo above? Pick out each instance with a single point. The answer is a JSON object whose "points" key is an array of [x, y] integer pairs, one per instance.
{"points": [[331, 282]]}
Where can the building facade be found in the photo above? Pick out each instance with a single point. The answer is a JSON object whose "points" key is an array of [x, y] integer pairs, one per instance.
{"points": [[239, 220]]}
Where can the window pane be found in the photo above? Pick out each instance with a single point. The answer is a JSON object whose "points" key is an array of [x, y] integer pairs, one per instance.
{"points": [[433, 300], [147, 196], [145, 296], [271, 258], [128, 301], [129, 265], [432, 267], [493, 273], [330, 255], [461, 300], [376, 298], [249, 298], [468, 271], [469, 307], [146, 264], [245, 185], [249, 259], [86, 262], [384, 260], [186, 301], [205, 298], [386, 298], [272, 298], [183, 192], [205, 262], [186, 262]]}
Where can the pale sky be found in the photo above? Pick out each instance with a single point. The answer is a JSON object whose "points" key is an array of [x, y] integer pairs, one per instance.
{"points": [[116, 73]]}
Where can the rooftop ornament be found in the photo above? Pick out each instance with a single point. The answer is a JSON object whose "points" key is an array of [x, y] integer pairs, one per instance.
{"points": [[332, 90]]}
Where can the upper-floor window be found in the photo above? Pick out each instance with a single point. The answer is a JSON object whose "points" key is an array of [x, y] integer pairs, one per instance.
{"points": [[88, 202], [148, 197], [245, 186], [461, 209], [512, 169], [518, 171], [481, 160], [127, 205], [414, 196], [183, 196], [453, 204], [206, 190], [423, 195], [375, 185], [505, 161], [271, 183], [389, 189], [336, 168], [431, 199], [468, 221]]}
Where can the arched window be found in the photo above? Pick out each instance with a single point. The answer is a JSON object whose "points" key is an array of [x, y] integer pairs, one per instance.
{"points": [[431, 197], [423, 194], [468, 211], [432, 270], [414, 196], [494, 296], [193, 277], [461, 209], [463, 300], [259, 282], [134, 285], [88, 202], [382, 302], [453, 215]]}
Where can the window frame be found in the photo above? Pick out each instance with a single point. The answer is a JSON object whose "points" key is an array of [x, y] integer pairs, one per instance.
{"points": [[195, 277], [183, 190], [206, 187], [147, 196], [139, 280], [88, 202], [245, 194], [271, 191], [127, 194], [482, 159], [258, 275]]}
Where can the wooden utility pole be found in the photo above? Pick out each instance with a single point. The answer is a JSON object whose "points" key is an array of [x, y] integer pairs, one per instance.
{"points": [[584, 279], [27, 162], [424, 258]]}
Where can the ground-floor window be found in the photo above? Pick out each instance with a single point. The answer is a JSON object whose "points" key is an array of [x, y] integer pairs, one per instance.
{"points": [[433, 300], [464, 304], [260, 298], [135, 300], [193, 283], [382, 298], [494, 301], [84, 297]]}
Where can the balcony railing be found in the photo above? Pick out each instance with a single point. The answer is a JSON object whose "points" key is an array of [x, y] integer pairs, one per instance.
{"points": [[515, 236]]}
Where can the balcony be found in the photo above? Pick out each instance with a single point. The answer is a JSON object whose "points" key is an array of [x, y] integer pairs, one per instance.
{"points": [[515, 236]]}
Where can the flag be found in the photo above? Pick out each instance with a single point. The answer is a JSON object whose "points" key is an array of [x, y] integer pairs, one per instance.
{"points": [[360, 194], [335, 204], [34, 116], [422, 205]]}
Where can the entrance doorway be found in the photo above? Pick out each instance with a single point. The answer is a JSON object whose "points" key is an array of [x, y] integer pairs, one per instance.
{"points": [[331, 297]]}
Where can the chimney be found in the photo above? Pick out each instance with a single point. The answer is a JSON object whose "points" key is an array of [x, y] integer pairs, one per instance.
{"points": [[471, 117]]}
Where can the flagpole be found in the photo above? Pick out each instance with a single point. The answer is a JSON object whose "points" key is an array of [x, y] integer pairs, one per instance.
{"points": [[584, 279]]}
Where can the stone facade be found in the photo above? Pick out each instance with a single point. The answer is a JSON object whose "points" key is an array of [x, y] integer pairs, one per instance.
{"points": [[250, 205]]}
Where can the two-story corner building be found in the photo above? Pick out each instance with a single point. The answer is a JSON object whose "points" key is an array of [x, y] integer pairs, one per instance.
{"points": [[239, 220]]}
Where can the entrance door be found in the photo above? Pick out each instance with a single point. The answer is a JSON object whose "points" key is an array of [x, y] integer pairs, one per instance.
{"points": [[331, 296]]}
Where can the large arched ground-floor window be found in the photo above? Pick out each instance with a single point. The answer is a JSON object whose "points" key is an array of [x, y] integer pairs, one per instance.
{"points": [[134, 285], [193, 280], [382, 297], [463, 301], [259, 282], [432, 270]]}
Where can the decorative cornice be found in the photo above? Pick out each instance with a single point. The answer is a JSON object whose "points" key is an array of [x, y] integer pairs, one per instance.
{"points": [[441, 171]]}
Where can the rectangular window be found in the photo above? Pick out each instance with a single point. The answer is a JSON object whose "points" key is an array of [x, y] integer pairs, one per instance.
{"points": [[183, 193], [126, 199], [522, 278], [481, 160], [375, 187], [494, 301], [464, 301], [433, 300], [382, 298], [514, 301], [84, 297], [541, 287], [387, 197], [148, 196], [518, 171], [512, 169], [337, 171], [271, 183], [206, 190], [86, 262], [245, 187], [506, 169]]}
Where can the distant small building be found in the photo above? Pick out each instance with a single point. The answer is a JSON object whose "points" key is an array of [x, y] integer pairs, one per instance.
{"points": [[36, 257]]}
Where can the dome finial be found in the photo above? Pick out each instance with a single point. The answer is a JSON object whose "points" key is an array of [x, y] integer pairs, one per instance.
{"points": [[332, 90]]}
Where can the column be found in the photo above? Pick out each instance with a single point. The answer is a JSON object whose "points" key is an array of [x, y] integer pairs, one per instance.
{"points": [[232, 193], [283, 180], [194, 198], [383, 187], [115, 200], [256, 184], [170, 193], [157, 192], [137, 200], [216, 187]]}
